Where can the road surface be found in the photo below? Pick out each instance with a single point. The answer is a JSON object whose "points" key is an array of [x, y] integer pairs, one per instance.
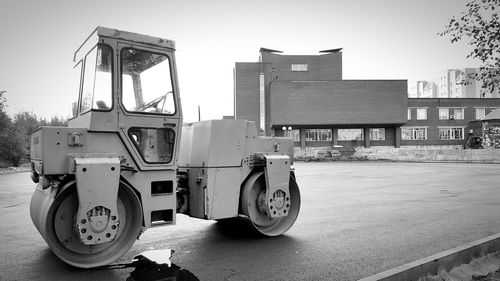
{"points": [[356, 219]]}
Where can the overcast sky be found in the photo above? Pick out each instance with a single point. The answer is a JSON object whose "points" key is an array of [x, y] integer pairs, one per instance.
{"points": [[383, 39]]}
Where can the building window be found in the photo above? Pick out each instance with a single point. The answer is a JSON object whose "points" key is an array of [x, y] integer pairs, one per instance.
{"points": [[377, 134], [409, 113], [413, 133], [444, 114], [351, 134], [451, 133], [299, 67], [480, 113], [421, 113], [292, 134], [318, 135], [458, 113], [262, 104]]}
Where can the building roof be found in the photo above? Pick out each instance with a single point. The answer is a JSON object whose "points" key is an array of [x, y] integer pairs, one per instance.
{"points": [[494, 115], [331, 50], [269, 50]]}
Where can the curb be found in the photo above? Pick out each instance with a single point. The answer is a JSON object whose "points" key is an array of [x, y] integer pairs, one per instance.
{"points": [[404, 161], [443, 261]]}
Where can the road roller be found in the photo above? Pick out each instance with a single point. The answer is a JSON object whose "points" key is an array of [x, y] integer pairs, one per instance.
{"points": [[126, 161]]}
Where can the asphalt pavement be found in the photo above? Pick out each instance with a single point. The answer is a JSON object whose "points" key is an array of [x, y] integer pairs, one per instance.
{"points": [[356, 219]]}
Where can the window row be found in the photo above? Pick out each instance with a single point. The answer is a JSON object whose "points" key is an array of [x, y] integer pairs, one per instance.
{"points": [[445, 113], [420, 133], [451, 113], [376, 134]]}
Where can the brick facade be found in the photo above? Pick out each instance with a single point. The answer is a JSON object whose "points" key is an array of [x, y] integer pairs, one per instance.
{"points": [[307, 94], [433, 122]]}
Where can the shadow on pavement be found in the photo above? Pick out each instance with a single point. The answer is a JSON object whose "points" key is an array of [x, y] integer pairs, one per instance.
{"points": [[235, 229], [155, 272], [52, 268]]}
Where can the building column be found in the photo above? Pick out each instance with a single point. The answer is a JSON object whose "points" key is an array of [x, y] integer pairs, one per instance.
{"points": [[366, 133], [302, 138], [397, 137], [335, 136]]}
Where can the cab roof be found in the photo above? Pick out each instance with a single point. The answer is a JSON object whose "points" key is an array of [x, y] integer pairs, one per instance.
{"points": [[100, 31]]}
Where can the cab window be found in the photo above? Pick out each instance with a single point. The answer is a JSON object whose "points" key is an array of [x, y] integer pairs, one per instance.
{"points": [[77, 73], [97, 80], [146, 82], [156, 145]]}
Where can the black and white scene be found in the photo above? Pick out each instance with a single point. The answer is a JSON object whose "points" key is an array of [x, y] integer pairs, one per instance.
{"points": [[250, 140]]}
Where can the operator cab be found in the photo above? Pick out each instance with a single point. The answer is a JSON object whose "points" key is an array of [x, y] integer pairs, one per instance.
{"points": [[126, 83]]}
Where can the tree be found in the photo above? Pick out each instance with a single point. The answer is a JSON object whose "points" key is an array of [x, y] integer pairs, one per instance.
{"points": [[54, 121], [481, 26], [4, 118], [58, 121], [24, 124], [15, 135], [10, 146]]}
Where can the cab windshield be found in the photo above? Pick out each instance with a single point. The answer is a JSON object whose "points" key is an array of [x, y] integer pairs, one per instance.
{"points": [[146, 82]]}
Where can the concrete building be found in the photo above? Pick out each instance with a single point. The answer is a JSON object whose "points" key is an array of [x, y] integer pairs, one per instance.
{"points": [[448, 84], [303, 97], [426, 89], [412, 89]]}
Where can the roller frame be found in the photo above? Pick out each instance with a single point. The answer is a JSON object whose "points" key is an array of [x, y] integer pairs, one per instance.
{"points": [[277, 174], [97, 182]]}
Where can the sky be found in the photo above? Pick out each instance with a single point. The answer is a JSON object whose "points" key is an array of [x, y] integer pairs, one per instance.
{"points": [[383, 39]]}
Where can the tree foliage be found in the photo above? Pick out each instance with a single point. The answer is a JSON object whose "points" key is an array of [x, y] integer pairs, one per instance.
{"points": [[54, 121], [10, 149], [4, 118], [480, 26], [15, 134], [25, 123], [11, 146]]}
